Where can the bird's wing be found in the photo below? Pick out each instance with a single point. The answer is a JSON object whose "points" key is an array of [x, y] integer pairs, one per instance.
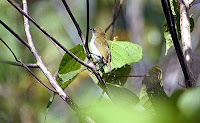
{"points": [[101, 45]]}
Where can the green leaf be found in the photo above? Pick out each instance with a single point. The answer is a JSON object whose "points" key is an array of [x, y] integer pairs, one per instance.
{"points": [[122, 53], [70, 68], [67, 78], [123, 96], [168, 38], [189, 103], [191, 23], [49, 104], [145, 100], [69, 64], [118, 76]]}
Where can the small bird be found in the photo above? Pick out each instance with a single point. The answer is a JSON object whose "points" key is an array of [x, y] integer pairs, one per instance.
{"points": [[100, 48]]}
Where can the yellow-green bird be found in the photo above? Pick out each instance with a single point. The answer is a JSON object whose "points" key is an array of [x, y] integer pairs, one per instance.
{"points": [[100, 48]]}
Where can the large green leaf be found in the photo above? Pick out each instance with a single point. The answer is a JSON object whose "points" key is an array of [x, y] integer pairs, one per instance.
{"points": [[70, 68], [69, 77], [68, 64], [123, 52]]}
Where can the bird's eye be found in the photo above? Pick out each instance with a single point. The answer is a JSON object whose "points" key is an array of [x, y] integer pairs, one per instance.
{"points": [[94, 30]]}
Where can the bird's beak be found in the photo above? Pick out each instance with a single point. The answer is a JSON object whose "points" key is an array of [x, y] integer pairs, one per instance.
{"points": [[91, 28]]}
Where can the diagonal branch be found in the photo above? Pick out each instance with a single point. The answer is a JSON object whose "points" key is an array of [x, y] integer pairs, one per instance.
{"points": [[171, 24], [113, 25], [48, 35], [24, 65], [15, 34], [120, 6], [186, 37], [29, 65], [94, 70], [37, 56]]}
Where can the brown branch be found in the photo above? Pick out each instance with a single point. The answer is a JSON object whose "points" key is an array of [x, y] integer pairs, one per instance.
{"points": [[15, 34], [37, 56], [24, 65], [48, 35], [193, 2], [120, 6], [88, 26], [131, 75], [171, 24], [85, 42], [74, 21], [94, 70], [30, 65], [113, 25]]}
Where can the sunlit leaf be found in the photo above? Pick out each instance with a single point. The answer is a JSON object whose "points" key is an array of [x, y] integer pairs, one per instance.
{"points": [[168, 38], [123, 52], [70, 76], [69, 67]]}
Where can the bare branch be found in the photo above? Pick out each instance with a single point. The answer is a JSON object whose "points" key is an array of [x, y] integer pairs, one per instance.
{"points": [[113, 25], [88, 25], [74, 21], [171, 24], [85, 42], [94, 70], [30, 65], [48, 35], [193, 2], [120, 6], [131, 75], [15, 34], [24, 65], [37, 56], [186, 37]]}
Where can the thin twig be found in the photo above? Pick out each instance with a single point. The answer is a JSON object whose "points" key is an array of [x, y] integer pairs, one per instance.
{"points": [[15, 34], [193, 2], [48, 35], [30, 65], [131, 75], [78, 27], [94, 70], [113, 25], [120, 6], [171, 24], [88, 25], [24, 65]]}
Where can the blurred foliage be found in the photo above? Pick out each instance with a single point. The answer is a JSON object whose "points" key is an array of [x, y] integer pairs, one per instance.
{"points": [[24, 100]]}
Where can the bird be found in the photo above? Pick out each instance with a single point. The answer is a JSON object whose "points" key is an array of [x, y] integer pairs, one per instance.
{"points": [[100, 48]]}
